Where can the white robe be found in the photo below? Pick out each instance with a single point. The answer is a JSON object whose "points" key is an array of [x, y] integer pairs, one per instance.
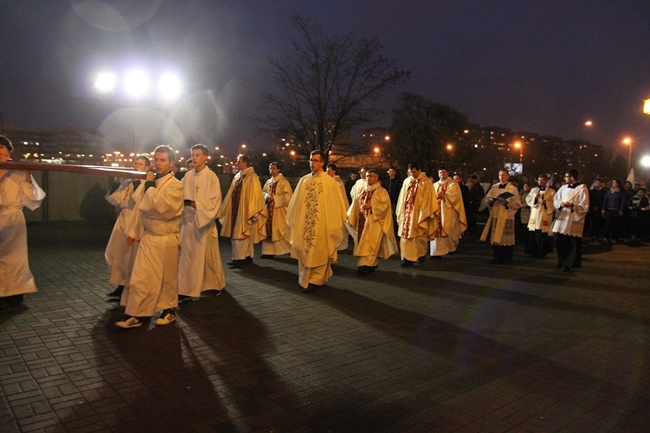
{"points": [[154, 280], [199, 265], [16, 192], [542, 209], [277, 239], [451, 219], [377, 235], [571, 221], [118, 254], [315, 216]]}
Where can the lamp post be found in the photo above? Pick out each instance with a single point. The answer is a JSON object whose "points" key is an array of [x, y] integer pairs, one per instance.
{"points": [[628, 141]]}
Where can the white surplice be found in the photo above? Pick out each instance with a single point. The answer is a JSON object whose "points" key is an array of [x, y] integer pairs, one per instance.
{"points": [[16, 193], [154, 280], [199, 266]]}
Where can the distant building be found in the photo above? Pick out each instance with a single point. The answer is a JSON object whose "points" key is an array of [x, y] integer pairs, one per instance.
{"points": [[59, 145]]}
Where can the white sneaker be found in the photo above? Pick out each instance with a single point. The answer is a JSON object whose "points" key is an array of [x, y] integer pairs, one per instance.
{"points": [[131, 322], [167, 317]]}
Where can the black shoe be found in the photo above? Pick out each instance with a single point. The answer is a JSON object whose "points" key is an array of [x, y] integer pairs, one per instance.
{"points": [[406, 264], [310, 288], [13, 300], [183, 298], [266, 256], [235, 264], [436, 257], [566, 269], [116, 293], [422, 259], [363, 270]]}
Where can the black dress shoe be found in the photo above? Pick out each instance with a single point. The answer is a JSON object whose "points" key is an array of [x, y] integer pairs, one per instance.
{"points": [[308, 289], [406, 264], [266, 256], [235, 264], [363, 270], [116, 293], [566, 269]]}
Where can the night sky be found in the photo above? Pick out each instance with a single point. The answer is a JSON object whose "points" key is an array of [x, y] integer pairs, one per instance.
{"points": [[539, 66]]}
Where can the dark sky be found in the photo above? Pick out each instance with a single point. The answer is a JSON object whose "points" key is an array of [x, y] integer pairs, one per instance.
{"points": [[540, 66]]}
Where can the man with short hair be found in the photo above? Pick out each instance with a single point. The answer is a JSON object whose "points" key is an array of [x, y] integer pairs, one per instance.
{"points": [[371, 222], [451, 216], [503, 201], [243, 213], [199, 266], [476, 195], [394, 186], [542, 209], [17, 189], [277, 194], [416, 209], [154, 280], [316, 215], [120, 253], [572, 204], [360, 183]]}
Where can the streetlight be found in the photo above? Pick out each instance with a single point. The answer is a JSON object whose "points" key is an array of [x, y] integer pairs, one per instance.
{"points": [[646, 106], [520, 146], [589, 123], [628, 142]]}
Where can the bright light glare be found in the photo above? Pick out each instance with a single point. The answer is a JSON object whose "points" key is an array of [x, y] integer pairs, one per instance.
{"points": [[645, 161], [105, 82], [589, 123], [627, 140], [137, 83], [169, 87]]}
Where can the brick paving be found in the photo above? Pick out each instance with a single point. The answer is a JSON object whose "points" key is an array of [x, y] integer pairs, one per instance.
{"points": [[456, 345]]}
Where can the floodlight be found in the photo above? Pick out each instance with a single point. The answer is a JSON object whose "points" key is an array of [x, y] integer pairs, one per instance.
{"points": [[105, 82], [136, 83], [169, 87]]}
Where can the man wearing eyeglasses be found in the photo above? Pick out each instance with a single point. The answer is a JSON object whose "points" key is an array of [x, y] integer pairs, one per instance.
{"points": [[315, 215]]}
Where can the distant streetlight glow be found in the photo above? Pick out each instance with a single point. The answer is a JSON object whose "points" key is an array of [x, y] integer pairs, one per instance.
{"points": [[589, 123], [136, 84], [376, 150]]}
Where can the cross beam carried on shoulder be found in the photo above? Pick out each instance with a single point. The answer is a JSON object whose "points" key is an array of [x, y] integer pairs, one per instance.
{"points": [[86, 169]]}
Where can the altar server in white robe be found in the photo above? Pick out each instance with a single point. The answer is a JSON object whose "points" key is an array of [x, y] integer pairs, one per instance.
{"points": [[18, 189], [542, 208], [119, 254], [315, 216], [416, 209], [331, 171], [572, 204], [451, 216], [154, 280], [199, 267], [277, 194], [370, 220], [501, 223], [243, 213]]}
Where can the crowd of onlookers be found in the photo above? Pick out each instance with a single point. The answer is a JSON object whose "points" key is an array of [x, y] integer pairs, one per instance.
{"points": [[617, 209]]}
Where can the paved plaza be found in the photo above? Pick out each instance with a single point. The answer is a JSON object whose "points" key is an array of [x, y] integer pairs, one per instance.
{"points": [[454, 345]]}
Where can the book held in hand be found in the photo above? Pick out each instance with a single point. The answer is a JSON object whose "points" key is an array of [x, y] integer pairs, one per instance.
{"points": [[504, 196]]}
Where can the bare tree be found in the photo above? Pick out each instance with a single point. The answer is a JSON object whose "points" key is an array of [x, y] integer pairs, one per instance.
{"points": [[325, 87], [421, 131]]}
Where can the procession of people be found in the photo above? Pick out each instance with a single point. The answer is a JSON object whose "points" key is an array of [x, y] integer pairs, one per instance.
{"points": [[164, 247]]}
